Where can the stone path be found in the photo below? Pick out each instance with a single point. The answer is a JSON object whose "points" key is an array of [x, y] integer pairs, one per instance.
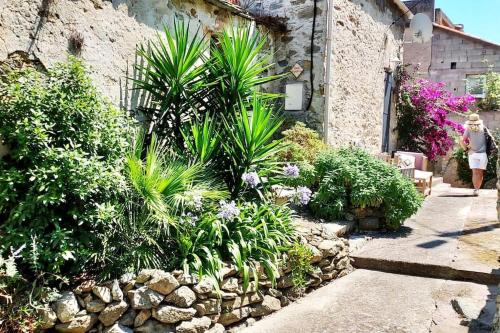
{"points": [[453, 237]]}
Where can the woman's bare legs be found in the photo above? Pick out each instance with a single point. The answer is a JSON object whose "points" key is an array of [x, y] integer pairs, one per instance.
{"points": [[477, 178]]}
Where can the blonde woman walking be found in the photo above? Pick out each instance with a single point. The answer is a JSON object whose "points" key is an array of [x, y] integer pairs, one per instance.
{"points": [[477, 141]]}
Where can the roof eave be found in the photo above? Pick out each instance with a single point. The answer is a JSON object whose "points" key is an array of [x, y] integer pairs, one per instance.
{"points": [[466, 35], [232, 8]]}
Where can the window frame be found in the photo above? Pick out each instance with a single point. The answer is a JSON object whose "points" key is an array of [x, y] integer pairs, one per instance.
{"points": [[482, 77]]}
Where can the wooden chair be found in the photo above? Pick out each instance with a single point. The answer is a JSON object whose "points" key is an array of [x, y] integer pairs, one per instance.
{"points": [[422, 177]]}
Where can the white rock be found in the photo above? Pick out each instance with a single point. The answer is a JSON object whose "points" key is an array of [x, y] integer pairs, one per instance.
{"points": [[141, 317], [268, 306], [196, 325], [183, 297], [152, 326], [112, 313], [218, 328], [230, 284], [169, 314], [66, 307], [163, 282], [95, 305], [204, 286], [79, 324], [144, 298], [116, 292], [103, 293], [118, 328], [48, 318]]}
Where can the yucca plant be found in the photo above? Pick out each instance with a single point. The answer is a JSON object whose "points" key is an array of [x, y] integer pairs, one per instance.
{"points": [[249, 144], [239, 61], [173, 72], [203, 139]]}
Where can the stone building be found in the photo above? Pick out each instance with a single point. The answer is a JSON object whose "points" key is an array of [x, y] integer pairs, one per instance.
{"points": [[341, 52], [452, 55], [346, 63]]}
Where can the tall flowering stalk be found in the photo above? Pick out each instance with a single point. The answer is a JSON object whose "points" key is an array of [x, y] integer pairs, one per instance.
{"points": [[422, 111]]}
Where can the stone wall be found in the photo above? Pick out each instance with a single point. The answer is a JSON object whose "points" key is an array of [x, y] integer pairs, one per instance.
{"points": [[470, 56], [111, 31], [158, 301], [364, 43], [294, 47]]}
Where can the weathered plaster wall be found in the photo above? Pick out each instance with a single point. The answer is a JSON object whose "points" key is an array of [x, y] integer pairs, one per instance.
{"points": [[294, 47], [364, 43], [111, 30], [471, 57]]}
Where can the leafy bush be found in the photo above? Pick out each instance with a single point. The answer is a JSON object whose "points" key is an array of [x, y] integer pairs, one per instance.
{"points": [[492, 98], [464, 173], [63, 173], [250, 146], [19, 297], [422, 110], [161, 188], [299, 259], [243, 234], [351, 178], [301, 144]]}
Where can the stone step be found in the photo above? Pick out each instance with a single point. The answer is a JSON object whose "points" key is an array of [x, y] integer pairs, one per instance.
{"points": [[437, 180], [426, 270]]}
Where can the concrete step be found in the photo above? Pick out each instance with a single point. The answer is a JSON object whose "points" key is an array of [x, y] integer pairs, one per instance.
{"points": [[426, 270], [437, 180]]}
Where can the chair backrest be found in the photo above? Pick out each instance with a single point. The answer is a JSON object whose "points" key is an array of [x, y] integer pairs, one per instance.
{"points": [[420, 159]]}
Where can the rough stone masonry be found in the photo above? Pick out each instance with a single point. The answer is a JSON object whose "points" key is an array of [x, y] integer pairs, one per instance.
{"points": [[158, 301]]}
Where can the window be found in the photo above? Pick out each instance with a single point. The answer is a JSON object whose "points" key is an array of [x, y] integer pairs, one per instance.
{"points": [[475, 85], [453, 65]]}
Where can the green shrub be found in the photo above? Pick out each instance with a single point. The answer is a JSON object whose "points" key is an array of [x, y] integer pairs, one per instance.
{"points": [[301, 144], [464, 173], [162, 187], [299, 259], [243, 234], [63, 174], [351, 178]]}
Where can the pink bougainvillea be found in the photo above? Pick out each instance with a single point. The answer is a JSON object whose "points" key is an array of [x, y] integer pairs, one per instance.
{"points": [[422, 111]]}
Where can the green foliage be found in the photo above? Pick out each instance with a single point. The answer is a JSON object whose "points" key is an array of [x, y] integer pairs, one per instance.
{"points": [[492, 98], [464, 173], [64, 168], [162, 187], [259, 234], [240, 64], [299, 259], [250, 145], [302, 144], [351, 178], [173, 73], [203, 140], [19, 297]]}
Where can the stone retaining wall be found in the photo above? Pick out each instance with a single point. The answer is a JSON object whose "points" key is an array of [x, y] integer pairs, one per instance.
{"points": [[159, 301]]}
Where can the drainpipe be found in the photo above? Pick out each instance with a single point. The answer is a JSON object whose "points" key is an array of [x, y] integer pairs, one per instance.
{"points": [[329, 33]]}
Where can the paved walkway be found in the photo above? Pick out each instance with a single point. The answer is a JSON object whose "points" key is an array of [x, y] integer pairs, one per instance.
{"points": [[453, 237]]}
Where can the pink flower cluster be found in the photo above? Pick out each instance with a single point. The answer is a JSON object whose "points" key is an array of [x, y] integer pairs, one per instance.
{"points": [[427, 107]]}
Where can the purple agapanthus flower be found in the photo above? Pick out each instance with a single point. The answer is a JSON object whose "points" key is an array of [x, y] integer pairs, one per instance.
{"points": [[303, 195], [197, 202], [251, 179], [228, 210], [188, 219], [291, 170]]}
